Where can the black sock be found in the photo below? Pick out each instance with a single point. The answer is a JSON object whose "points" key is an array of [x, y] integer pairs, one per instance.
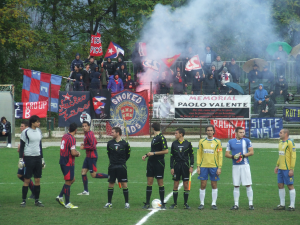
{"points": [[175, 196], [85, 182], [24, 193], [61, 194], [186, 196], [162, 194], [37, 190], [125, 193], [67, 191], [110, 194], [148, 194]]}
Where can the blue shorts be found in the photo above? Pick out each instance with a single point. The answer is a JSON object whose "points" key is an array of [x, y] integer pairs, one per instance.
{"points": [[204, 171], [90, 164], [21, 171], [283, 177], [68, 172]]}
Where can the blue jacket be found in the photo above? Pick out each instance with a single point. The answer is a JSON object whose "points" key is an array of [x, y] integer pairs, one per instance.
{"points": [[260, 94], [76, 62], [114, 87]]}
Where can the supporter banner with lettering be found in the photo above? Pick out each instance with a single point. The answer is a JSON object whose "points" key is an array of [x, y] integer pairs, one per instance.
{"points": [[74, 107], [226, 128], [291, 114], [264, 127], [133, 108], [24, 110], [96, 45], [212, 106], [100, 107]]}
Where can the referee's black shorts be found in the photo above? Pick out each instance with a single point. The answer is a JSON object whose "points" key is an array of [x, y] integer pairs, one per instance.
{"points": [[117, 171], [33, 166], [181, 170], [156, 168]]}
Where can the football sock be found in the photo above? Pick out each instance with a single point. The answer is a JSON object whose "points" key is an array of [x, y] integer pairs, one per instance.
{"points": [[282, 196], [250, 195], [61, 194], [236, 195], [292, 198], [21, 178], [101, 175], [186, 196], [162, 194], [214, 194], [110, 194], [202, 196], [24, 193], [67, 190], [85, 182], [125, 193], [31, 186], [37, 190], [175, 196], [148, 194]]}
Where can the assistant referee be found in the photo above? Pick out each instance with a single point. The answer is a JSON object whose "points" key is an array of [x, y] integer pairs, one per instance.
{"points": [[31, 149]]}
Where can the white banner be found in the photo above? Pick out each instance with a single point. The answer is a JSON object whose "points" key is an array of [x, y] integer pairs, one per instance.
{"points": [[193, 64]]}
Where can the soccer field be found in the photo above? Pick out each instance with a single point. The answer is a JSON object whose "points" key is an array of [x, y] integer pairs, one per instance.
{"points": [[91, 209]]}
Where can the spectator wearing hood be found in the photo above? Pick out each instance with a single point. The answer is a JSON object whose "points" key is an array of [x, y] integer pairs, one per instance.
{"points": [[79, 84], [267, 108], [120, 62], [281, 88], [76, 61], [234, 70], [259, 97], [92, 62], [86, 76], [122, 72], [115, 84], [109, 66], [209, 56], [280, 57], [129, 84], [164, 84], [254, 75], [196, 84], [225, 77], [210, 85], [179, 85], [297, 72], [95, 79]]}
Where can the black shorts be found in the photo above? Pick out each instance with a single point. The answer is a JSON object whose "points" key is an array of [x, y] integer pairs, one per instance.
{"points": [[181, 170], [156, 168], [33, 166], [68, 172], [117, 171]]}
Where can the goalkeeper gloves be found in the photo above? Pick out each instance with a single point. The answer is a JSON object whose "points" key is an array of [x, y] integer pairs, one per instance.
{"points": [[236, 156], [21, 164], [43, 163]]}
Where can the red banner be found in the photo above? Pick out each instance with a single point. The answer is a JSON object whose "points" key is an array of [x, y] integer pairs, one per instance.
{"points": [[24, 110], [96, 45], [226, 128], [170, 61], [193, 64]]}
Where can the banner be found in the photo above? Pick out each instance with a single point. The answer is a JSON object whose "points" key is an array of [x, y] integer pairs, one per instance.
{"points": [[142, 49], [170, 61], [114, 50], [152, 64], [291, 114], [163, 106], [24, 110], [264, 127], [96, 45], [74, 107], [40, 86], [133, 108], [193, 64], [226, 128], [100, 107], [212, 106]]}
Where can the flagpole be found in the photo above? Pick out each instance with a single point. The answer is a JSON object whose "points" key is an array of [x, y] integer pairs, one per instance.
{"points": [[49, 120]]}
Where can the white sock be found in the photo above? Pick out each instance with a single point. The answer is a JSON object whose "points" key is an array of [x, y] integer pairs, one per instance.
{"points": [[202, 196], [282, 196], [214, 193], [236, 195], [250, 195], [292, 197]]}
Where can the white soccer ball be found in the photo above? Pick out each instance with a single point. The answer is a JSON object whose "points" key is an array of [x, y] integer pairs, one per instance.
{"points": [[156, 204]]}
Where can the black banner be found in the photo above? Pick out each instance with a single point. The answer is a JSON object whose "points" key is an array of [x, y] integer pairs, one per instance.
{"points": [[73, 107], [212, 113], [100, 100]]}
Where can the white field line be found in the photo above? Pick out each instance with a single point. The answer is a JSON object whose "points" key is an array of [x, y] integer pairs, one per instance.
{"points": [[145, 218]]}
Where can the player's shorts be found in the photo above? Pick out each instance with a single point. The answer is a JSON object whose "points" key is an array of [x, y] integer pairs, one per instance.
{"points": [[241, 174], [181, 170], [21, 171], [204, 171], [90, 164], [156, 168], [33, 166], [117, 171], [68, 172], [283, 177]]}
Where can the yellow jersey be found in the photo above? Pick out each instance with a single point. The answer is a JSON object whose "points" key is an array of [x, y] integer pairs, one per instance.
{"points": [[210, 153], [287, 155]]}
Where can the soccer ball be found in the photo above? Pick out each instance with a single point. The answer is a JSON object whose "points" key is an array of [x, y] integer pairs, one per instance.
{"points": [[156, 204]]}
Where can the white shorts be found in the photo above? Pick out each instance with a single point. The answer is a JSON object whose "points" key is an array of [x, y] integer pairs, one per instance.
{"points": [[241, 175]]}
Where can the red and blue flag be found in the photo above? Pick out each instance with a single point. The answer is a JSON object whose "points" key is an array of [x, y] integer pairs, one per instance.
{"points": [[113, 50]]}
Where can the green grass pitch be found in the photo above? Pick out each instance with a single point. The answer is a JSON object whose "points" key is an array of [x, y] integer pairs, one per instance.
{"points": [[91, 207]]}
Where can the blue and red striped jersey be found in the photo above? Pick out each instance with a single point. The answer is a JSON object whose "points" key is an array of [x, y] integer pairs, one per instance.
{"points": [[90, 143], [68, 143]]}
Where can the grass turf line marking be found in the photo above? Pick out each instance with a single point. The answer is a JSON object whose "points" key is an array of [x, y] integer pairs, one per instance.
{"points": [[145, 218]]}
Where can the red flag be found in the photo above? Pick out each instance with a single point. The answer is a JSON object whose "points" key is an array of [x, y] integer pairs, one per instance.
{"points": [[226, 128], [170, 61], [96, 45], [24, 110], [193, 64]]}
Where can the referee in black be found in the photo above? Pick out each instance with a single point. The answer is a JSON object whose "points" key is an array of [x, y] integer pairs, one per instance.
{"points": [[156, 165], [31, 149], [181, 163]]}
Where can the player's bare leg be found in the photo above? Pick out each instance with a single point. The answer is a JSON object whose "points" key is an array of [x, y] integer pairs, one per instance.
{"points": [[160, 183]]}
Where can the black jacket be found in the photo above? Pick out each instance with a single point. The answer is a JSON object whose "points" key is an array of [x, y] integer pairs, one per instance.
{"points": [[235, 72], [254, 75], [122, 74], [210, 86], [7, 127], [271, 106], [196, 83], [129, 83], [110, 67], [118, 152], [181, 153], [179, 85], [95, 83], [79, 85], [164, 87], [76, 75], [281, 86]]}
